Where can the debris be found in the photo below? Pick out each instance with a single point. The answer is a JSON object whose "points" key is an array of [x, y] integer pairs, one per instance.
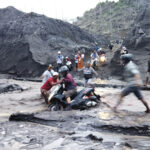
{"points": [[4, 87], [95, 138]]}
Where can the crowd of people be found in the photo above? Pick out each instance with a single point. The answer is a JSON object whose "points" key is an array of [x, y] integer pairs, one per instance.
{"points": [[52, 78]]}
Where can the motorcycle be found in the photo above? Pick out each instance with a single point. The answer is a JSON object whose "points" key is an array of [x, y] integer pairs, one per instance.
{"points": [[102, 58], [69, 65], [83, 99]]}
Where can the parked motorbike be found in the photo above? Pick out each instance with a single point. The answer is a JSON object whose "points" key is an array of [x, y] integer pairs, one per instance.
{"points": [[83, 99], [69, 65]]}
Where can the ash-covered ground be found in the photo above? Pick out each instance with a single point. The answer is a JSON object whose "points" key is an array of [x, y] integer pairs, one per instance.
{"points": [[93, 129]]}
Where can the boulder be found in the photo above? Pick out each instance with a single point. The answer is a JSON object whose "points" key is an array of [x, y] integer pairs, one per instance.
{"points": [[5, 87], [112, 19], [29, 41], [139, 36], [115, 67]]}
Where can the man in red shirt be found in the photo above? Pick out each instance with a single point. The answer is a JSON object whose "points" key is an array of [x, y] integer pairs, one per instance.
{"points": [[48, 85]]}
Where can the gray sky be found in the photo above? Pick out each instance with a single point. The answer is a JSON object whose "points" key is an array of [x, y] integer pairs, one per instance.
{"points": [[60, 9]]}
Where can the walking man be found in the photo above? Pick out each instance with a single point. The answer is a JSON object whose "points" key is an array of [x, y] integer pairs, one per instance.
{"points": [[134, 81]]}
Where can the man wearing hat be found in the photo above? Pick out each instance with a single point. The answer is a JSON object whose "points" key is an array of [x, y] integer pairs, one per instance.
{"points": [[47, 74], [48, 85]]}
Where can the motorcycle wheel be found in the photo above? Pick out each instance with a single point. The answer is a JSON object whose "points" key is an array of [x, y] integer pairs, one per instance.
{"points": [[55, 107]]}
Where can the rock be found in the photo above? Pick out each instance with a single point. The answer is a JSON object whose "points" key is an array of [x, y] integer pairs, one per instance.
{"points": [[21, 117], [9, 15], [139, 36], [112, 19], [95, 138], [4, 87], [29, 42], [115, 67]]}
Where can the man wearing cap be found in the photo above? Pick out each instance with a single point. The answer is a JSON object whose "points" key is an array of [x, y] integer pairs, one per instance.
{"points": [[47, 74], [59, 60], [48, 85]]}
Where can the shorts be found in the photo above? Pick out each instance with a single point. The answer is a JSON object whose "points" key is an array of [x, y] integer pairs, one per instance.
{"points": [[133, 89], [148, 75], [45, 94], [70, 93]]}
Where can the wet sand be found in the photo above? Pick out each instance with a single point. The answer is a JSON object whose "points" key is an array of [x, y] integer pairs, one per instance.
{"points": [[27, 101], [88, 129]]}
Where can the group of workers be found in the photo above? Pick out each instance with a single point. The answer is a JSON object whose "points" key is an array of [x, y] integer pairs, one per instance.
{"points": [[51, 78]]}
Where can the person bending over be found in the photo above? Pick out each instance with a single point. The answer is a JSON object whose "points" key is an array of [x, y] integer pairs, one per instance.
{"points": [[45, 89]]}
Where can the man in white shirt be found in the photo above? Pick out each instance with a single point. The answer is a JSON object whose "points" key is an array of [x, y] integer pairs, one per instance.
{"points": [[47, 74]]}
